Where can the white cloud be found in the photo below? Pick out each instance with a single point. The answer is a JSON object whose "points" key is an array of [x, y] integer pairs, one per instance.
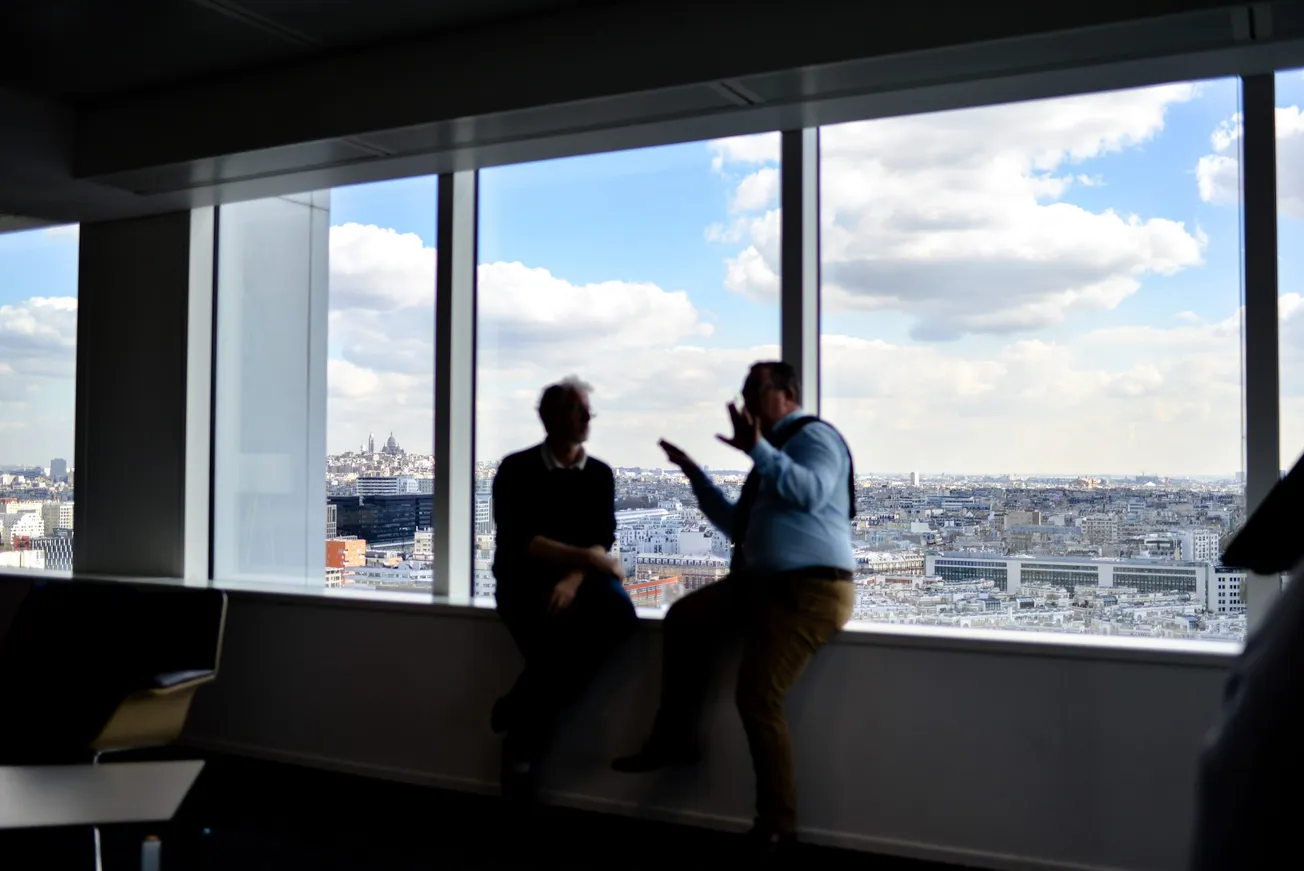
{"points": [[1218, 175], [955, 218], [637, 343], [756, 149], [1115, 401], [378, 269], [760, 190]]}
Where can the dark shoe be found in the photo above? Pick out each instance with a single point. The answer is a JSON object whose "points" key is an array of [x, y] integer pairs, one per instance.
{"points": [[519, 782], [655, 756], [766, 849]]}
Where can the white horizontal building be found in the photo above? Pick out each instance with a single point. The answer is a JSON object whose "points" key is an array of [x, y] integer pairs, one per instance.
{"points": [[1198, 579]]}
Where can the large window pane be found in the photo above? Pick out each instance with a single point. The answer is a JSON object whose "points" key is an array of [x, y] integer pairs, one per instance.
{"points": [[652, 275], [1031, 337], [1290, 261], [380, 388], [38, 339], [324, 421]]}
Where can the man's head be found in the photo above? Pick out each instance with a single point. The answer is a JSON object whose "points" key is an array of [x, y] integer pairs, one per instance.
{"points": [[771, 392], [564, 410]]}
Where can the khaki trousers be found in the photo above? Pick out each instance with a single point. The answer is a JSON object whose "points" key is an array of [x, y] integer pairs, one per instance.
{"points": [[784, 621]]}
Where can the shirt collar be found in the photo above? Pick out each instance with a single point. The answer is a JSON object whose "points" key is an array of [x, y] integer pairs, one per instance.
{"points": [[787, 419], [550, 462]]}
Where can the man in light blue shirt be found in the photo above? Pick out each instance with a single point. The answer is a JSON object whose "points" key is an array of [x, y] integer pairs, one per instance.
{"points": [[789, 589]]}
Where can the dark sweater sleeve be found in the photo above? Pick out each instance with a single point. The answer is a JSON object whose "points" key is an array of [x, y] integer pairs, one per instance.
{"points": [[514, 530], [608, 526]]}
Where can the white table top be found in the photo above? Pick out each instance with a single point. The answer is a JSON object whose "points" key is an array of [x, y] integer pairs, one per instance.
{"points": [[84, 795]]}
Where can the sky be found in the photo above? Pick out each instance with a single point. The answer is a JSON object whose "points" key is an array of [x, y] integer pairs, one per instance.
{"points": [[1049, 287]]}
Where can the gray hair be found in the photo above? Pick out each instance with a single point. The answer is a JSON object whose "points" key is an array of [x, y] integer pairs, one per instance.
{"points": [[554, 394]]}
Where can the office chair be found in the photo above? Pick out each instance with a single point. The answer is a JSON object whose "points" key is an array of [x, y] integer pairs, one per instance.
{"points": [[88, 668]]}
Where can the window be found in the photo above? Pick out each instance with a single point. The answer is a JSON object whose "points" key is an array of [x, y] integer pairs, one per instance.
{"points": [[380, 387], [38, 340], [1290, 262], [324, 470], [652, 275], [1031, 338]]}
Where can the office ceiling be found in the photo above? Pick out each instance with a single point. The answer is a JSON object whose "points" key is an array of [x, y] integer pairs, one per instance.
{"points": [[78, 50]]}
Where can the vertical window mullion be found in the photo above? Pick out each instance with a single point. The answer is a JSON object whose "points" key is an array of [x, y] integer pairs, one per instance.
{"points": [[1262, 391]]}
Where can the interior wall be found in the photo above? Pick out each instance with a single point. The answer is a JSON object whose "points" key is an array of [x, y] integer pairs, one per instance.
{"points": [[1011, 758]]}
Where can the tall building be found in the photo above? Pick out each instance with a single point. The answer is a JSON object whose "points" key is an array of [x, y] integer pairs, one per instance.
{"points": [[332, 521], [59, 469], [57, 515], [914, 479], [371, 443]]}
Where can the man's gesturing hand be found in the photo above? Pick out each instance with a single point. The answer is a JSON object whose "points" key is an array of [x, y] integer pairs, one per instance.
{"points": [[747, 430], [606, 564], [678, 457]]}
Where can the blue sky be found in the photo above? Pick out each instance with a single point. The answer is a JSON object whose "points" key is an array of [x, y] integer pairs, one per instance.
{"points": [[663, 320]]}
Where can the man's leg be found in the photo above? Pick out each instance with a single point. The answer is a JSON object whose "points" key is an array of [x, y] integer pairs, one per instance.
{"points": [[787, 623], [693, 629], [566, 652]]}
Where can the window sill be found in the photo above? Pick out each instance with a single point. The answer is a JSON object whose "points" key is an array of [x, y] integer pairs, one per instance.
{"points": [[1008, 642]]}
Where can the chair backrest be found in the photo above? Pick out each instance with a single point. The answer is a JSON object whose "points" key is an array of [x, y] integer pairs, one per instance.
{"points": [[76, 649]]}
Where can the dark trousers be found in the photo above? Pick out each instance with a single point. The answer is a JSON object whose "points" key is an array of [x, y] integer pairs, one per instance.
{"points": [[563, 652], [784, 622]]}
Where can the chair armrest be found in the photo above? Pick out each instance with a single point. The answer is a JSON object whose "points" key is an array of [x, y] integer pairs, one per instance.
{"points": [[172, 681]]}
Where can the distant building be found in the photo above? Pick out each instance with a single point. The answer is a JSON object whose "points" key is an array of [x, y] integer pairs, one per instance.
{"points": [[56, 515], [1100, 529], [22, 559], [423, 546], [332, 521], [387, 522], [914, 479], [693, 572], [346, 553], [57, 550], [18, 527], [1010, 574], [377, 485], [58, 469], [404, 574]]}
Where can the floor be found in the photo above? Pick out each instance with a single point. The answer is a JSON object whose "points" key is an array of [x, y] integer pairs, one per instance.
{"points": [[258, 816]]}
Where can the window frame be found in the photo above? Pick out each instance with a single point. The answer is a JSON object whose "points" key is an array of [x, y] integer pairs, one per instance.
{"points": [[799, 167]]}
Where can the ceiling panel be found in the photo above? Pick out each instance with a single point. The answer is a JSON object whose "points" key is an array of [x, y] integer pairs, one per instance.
{"points": [[357, 22], [83, 48]]}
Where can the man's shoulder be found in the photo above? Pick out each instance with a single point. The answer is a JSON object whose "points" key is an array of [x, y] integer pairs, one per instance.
{"points": [[813, 427], [597, 466], [521, 461]]}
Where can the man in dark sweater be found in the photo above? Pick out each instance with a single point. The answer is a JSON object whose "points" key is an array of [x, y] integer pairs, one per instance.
{"points": [[560, 592]]}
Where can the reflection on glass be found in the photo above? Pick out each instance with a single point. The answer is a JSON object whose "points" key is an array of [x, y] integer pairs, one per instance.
{"points": [[1031, 337], [38, 340]]}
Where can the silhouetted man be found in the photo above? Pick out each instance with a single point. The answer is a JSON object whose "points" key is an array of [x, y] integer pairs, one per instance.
{"points": [[789, 589], [559, 592]]}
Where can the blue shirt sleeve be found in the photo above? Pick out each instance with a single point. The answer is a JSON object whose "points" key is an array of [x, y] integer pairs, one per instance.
{"points": [[808, 472], [714, 504]]}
